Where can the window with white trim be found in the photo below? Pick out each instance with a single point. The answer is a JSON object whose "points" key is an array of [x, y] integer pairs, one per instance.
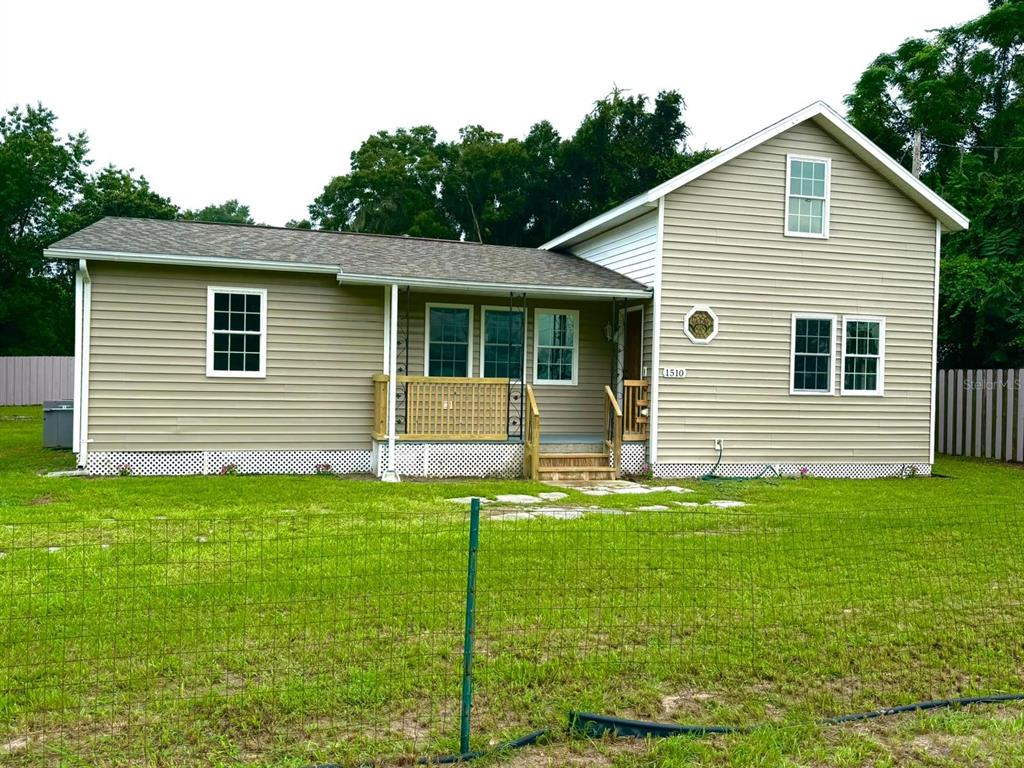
{"points": [[807, 196], [449, 336], [501, 345], [812, 354], [863, 355], [555, 346], [236, 332]]}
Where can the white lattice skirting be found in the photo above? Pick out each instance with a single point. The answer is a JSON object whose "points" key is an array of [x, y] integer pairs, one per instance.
{"points": [[504, 460], [243, 462], [844, 471], [634, 458]]}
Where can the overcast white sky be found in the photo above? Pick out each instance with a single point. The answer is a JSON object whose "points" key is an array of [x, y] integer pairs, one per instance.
{"points": [[265, 101]]}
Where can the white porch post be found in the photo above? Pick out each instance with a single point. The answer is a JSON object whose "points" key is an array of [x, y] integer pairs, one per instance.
{"points": [[390, 474]]}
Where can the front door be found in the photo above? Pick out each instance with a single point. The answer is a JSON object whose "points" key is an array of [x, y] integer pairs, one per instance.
{"points": [[633, 350]]}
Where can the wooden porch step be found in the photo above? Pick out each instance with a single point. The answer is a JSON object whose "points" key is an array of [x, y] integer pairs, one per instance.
{"points": [[568, 472], [593, 456]]}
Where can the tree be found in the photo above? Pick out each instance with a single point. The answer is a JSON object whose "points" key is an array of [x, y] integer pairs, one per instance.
{"points": [[115, 192], [228, 212], [508, 191], [961, 91], [40, 174], [391, 189]]}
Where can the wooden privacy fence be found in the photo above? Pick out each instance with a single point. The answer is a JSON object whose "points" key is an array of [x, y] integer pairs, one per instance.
{"points": [[980, 413], [31, 380]]}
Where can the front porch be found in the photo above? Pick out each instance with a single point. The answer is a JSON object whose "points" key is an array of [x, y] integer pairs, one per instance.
{"points": [[498, 422]]}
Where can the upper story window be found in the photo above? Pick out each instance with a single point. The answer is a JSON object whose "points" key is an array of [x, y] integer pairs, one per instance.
{"points": [[807, 196], [863, 355], [555, 346], [236, 332], [501, 353], [813, 341], [449, 335]]}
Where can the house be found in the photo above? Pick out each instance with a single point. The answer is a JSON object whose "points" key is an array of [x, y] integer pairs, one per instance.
{"points": [[774, 306]]}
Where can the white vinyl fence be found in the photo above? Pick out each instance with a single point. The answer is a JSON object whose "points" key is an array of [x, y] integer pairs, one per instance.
{"points": [[980, 413], [31, 380]]}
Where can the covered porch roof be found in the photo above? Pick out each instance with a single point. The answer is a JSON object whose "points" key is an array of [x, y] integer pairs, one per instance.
{"points": [[448, 265]]}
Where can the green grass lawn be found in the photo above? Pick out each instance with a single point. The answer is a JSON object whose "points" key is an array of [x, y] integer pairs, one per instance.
{"points": [[289, 620]]}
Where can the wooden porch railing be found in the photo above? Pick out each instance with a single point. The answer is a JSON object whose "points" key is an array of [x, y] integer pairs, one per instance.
{"points": [[445, 408], [636, 404], [531, 437], [613, 426]]}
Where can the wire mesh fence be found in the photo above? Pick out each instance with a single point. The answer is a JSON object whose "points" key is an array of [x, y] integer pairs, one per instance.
{"points": [[312, 638]]}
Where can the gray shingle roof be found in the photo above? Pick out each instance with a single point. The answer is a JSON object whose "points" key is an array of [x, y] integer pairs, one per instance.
{"points": [[353, 254]]}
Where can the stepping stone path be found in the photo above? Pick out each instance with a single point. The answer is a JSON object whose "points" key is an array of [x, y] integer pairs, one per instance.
{"points": [[726, 504], [459, 500], [686, 503], [517, 498], [553, 495], [653, 508]]}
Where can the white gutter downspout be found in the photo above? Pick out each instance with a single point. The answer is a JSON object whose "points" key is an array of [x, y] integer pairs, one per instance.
{"points": [[390, 474], [83, 315], [935, 342]]}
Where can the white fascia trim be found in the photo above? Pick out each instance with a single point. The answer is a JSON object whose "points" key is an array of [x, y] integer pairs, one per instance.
{"points": [[462, 286], [935, 343], [879, 389], [831, 354], [655, 372], [426, 334], [950, 217], [189, 261], [620, 214]]}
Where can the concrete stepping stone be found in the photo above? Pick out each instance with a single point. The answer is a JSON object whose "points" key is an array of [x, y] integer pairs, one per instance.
{"points": [[686, 503], [553, 495], [517, 498], [676, 489], [559, 513], [606, 511], [513, 516], [726, 503], [469, 500], [653, 508], [596, 492], [634, 489]]}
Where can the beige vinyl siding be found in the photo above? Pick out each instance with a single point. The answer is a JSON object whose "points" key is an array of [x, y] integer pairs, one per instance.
{"points": [[724, 246], [148, 389], [628, 249], [573, 410]]}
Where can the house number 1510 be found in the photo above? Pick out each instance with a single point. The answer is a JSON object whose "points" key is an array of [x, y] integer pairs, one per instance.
{"points": [[673, 373]]}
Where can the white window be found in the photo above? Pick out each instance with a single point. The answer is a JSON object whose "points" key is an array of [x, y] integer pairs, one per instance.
{"points": [[808, 181], [813, 342], [502, 343], [236, 332], [555, 346], [863, 355], [449, 335]]}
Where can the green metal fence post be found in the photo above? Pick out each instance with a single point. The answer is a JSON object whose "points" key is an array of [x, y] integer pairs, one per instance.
{"points": [[467, 643]]}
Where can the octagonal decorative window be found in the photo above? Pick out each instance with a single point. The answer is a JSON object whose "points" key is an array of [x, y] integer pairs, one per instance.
{"points": [[701, 324]]}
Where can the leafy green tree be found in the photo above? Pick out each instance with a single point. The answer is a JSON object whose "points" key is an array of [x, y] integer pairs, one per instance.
{"points": [[961, 91], [116, 192], [228, 212], [392, 188], [508, 191], [40, 174]]}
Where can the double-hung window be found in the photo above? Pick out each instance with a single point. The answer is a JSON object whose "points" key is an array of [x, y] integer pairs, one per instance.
{"points": [[863, 355], [807, 196], [236, 332], [813, 340], [449, 340], [555, 346], [501, 347]]}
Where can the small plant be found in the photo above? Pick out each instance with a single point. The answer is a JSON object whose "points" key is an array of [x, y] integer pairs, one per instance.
{"points": [[322, 469], [228, 469], [125, 470], [804, 472]]}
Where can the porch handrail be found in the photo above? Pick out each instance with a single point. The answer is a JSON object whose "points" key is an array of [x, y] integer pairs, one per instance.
{"points": [[531, 437], [635, 408], [613, 422]]}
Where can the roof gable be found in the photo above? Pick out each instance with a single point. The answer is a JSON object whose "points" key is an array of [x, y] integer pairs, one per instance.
{"points": [[828, 120]]}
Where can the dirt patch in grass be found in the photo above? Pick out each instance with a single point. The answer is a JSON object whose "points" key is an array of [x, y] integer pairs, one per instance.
{"points": [[39, 501]]}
